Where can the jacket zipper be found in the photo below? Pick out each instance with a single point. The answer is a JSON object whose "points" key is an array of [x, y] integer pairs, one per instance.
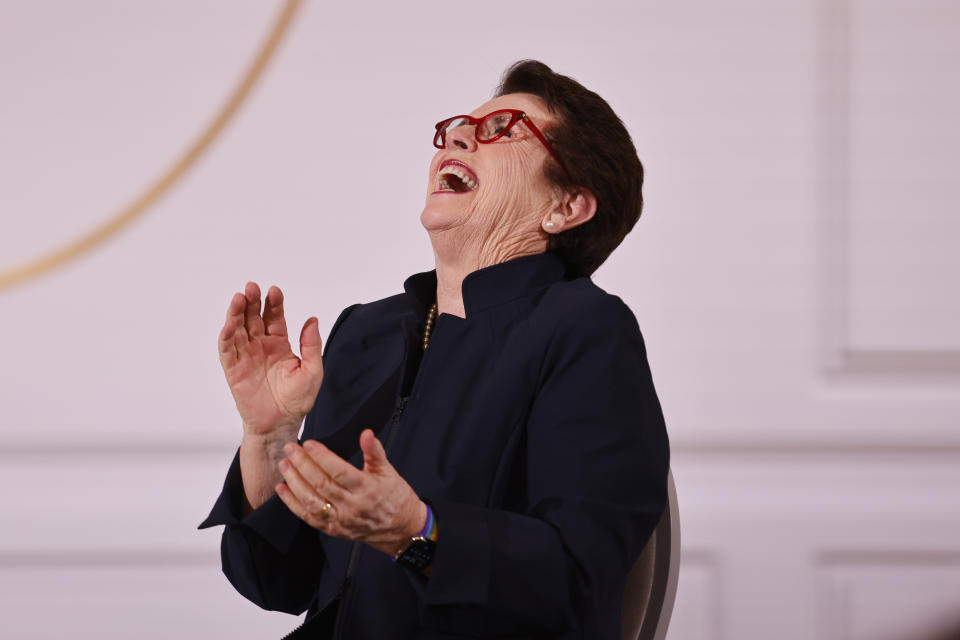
{"points": [[395, 425], [355, 549]]}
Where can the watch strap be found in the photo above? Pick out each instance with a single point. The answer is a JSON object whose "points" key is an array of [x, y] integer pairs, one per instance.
{"points": [[418, 552]]}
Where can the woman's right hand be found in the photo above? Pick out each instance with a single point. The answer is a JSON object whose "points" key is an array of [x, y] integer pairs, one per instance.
{"points": [[273, 388]]}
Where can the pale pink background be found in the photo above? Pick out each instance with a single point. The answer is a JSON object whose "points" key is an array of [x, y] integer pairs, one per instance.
{"points": [[794, 274]]}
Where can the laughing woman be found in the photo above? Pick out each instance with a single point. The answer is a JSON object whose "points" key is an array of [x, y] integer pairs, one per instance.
{"points": [[484, 454]]}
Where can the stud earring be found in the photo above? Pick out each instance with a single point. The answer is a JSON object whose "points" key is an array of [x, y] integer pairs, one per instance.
{"points": [[549, 224]]}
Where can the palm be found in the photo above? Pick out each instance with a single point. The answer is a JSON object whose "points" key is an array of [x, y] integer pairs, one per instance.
{"points": [[272, 387]]}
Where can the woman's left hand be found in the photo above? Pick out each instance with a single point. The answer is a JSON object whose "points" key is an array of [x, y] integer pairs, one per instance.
{"points": [[373, 505]]}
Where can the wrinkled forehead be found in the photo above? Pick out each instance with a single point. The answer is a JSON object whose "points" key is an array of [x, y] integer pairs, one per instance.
{"points": [[532, 105]]}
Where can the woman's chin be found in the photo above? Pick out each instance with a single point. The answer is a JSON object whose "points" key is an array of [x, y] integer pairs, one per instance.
{"points": [[438, 217]]}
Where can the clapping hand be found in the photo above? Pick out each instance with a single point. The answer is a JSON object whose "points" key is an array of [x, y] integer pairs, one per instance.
{"points": [[374, 505], [272, 387]]}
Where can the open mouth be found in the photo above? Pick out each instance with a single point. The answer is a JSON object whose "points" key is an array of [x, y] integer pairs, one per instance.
{"points": [[456, 177]]}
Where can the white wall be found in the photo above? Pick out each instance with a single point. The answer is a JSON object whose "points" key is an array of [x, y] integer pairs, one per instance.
{"points": [[794, 275]]}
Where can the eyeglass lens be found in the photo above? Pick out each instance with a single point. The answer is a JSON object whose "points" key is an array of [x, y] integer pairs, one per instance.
{"points": [[488, 128], [493, 125]]}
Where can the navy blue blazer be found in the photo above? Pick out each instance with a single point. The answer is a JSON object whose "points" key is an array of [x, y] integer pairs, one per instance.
{"points": [[532, 428]]}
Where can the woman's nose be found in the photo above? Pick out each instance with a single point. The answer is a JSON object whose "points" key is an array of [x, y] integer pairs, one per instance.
{"points": [[462, 137]]}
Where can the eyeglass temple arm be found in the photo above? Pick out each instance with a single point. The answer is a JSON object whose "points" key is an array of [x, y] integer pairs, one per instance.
{"points": [[543, 139]]}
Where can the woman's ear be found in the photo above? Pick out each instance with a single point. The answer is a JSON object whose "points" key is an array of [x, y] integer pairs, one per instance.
{"points": [[572, 209]]}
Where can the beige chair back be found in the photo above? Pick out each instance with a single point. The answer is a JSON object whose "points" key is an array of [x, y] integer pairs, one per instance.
{"points": [[652, 582]]}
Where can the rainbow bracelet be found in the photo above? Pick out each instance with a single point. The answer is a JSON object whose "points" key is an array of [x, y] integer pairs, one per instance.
{"points": [[430, 528]]}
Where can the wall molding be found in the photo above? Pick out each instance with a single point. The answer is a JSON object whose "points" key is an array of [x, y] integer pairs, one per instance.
{"points": [[833, 155], [61, 559], [710, 595], [741, 444], [830, 558], [841, 573]]}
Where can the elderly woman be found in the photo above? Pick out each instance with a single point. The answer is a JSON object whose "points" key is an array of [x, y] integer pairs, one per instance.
{"points": [[483, 455]]}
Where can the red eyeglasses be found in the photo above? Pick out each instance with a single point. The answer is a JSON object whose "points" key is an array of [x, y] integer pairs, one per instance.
{"points": [[492, 127]]}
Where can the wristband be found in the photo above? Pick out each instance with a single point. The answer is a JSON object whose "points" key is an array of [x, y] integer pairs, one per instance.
{"points": [[418, 553], [430, 528]]}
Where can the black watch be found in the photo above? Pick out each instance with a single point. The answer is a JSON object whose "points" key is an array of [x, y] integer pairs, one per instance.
{"points": [[418, 553]]}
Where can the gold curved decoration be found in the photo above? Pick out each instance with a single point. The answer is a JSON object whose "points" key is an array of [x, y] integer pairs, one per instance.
{"points": [[140, 204]]}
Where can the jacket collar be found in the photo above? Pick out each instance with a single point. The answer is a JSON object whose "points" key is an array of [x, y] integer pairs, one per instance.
{"points": [[493, 285]]}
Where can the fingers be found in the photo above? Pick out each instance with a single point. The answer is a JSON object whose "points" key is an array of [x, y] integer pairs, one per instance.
{"points": [[313, 502], [315, 475], [228, 352], [251, 314], [233, 322], [244, 324], [315, 511], [329, 473], [374, 455], [235, 310], [274, 321], [380, 510], [336, 468], [311, 348]]}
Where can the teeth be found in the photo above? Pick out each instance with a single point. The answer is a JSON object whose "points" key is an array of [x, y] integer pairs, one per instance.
{"points": [[460, 173]]}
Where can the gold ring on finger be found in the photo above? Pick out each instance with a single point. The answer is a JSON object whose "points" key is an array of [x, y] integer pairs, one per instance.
{"points": [[325, 511]]}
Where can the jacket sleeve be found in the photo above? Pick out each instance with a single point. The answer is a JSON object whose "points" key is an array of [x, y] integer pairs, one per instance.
{"points": [[270, 556], [596, 467]]}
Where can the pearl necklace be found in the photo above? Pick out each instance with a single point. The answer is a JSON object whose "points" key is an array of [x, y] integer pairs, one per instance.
{"points": [[428, 327]]}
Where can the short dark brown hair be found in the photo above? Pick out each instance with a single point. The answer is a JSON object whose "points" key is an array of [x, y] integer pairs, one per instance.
{"points": [[599, 154]]}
